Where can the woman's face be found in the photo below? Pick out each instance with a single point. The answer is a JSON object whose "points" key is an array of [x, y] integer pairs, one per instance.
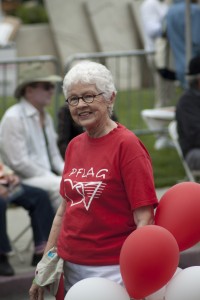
{"points": [[88, 115]]}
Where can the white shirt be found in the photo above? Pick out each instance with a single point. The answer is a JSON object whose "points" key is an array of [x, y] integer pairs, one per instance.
{"points": [[22, 142], [152, 15]]}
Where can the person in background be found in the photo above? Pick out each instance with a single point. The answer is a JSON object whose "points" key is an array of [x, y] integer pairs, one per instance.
{"points": [[67, 129], [188, 116], [176, 33], [153, 14], [28, 141], [107, 183], [36, 202]]}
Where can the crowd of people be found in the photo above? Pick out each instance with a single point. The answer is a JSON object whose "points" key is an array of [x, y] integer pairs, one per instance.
{"points": [[89, 184], [102, 167], [33, 161]]}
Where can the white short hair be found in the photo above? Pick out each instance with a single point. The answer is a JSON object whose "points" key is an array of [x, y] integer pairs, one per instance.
{"points": [[90, 72]]}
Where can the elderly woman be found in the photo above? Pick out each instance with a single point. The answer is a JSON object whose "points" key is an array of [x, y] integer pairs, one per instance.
{"points": [[107, 184]]}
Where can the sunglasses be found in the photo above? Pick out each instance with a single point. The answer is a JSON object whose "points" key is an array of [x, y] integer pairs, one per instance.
{"points": [[44, 85]]}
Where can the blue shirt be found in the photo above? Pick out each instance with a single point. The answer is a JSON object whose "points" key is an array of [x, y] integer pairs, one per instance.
{"points": [[175, 23]]}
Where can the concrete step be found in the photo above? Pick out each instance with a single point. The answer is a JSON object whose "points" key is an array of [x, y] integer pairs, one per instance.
{"points": [[15, 285]]}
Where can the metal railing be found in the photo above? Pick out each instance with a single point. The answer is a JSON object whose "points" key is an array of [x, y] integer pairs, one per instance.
{"points": [[132, 75]]}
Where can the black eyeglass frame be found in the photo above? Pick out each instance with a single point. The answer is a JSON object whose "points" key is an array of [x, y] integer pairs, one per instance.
{"points": [[83, 98]]}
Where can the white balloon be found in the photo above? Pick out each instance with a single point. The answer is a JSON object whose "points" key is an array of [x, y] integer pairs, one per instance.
{"points": [[185, 285], [96, 288], [160, 294]]}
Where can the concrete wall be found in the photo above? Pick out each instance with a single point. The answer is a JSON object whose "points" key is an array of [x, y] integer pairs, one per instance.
{"points": [[36, 40], [85, 27], [91, 25], [33, 40], [30, 40]]}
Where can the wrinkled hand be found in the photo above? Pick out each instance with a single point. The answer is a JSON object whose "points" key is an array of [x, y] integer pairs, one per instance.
{"points": [[36, 292], [7, 183], [12, 179]]}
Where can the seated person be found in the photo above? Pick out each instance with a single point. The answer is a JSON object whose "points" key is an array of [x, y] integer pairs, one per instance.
{"points": [[36, 202], [68, 129], [28, 141], [188, 117]]}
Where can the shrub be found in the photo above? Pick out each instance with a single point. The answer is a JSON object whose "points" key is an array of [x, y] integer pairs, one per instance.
{"points": [[32, 14]]}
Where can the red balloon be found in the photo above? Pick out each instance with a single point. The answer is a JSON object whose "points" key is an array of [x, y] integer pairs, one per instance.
{"points": [[149, 258], [179, 212]]}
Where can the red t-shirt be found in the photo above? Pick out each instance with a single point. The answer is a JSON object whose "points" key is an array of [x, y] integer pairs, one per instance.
{"points": [[104, 180]]}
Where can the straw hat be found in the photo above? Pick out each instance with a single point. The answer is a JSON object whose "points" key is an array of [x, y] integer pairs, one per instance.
{"points": [[35, 73]]}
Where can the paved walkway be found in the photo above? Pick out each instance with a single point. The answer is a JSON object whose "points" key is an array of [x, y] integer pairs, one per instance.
{"points": [[16, 287]]}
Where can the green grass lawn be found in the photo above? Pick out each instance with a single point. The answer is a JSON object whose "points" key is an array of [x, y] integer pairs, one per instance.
{"points": [[167, 167]]}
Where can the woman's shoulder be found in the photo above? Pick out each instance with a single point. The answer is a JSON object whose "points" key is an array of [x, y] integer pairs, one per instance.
{"points": [[126, 134], [130, 142]]}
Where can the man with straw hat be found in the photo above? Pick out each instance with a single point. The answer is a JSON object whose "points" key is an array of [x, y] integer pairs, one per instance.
{"points": [[28, 141]]}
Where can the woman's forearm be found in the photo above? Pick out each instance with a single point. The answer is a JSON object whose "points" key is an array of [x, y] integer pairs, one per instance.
{"points": [[56, 226], [144, 216]]}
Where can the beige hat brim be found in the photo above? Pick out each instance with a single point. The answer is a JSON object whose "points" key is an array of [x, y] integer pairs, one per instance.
{"points": [[20, 87]]}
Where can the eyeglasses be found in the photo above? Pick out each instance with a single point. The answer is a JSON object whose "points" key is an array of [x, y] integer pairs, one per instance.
{"points": [[44, 85], [88, 98]]}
